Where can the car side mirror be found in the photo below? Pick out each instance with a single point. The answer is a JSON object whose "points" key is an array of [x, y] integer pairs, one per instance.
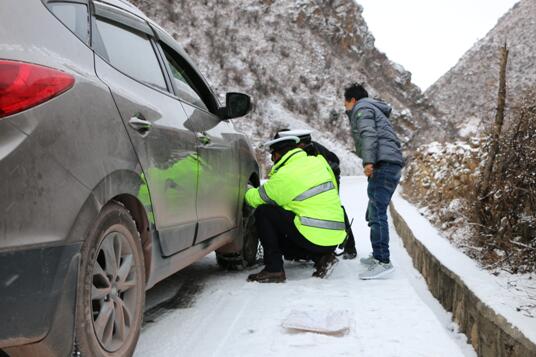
{"points": [[236, 105]]}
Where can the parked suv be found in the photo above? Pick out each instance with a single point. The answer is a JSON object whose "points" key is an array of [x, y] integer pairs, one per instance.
{"points": [[119, 167]]}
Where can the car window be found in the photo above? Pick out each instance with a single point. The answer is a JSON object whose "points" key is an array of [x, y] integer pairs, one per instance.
{"points": [[129, 51], [181, 80], [74, 16]]}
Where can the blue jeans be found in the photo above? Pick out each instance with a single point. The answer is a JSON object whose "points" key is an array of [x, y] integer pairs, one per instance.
{"points": [[381, 187]]}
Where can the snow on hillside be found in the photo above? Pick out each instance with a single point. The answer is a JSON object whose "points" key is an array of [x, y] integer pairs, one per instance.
{"points": [[294, 58], [468, 92], [439, 179]]}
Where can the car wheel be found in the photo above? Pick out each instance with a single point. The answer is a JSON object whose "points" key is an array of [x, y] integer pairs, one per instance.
{"points": [[249, 248], [111, 288], [251, 238]]}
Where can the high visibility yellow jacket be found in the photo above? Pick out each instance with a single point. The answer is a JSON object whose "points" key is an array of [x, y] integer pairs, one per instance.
{"points": [[306, 186]]}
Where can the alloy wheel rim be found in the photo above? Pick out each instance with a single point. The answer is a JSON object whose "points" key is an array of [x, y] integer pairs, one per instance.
{"points": [[113, 293]]}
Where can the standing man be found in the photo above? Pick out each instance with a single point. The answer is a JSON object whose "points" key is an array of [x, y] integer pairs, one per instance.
{"points": [[298, 210], [378, 146], [315, 148]]}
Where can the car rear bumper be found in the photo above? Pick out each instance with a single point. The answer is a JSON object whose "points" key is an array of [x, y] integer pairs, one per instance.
{"points": [[37, 296]]}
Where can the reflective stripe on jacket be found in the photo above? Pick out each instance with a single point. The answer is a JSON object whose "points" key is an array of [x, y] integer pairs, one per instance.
{"points": [[306, 186]]}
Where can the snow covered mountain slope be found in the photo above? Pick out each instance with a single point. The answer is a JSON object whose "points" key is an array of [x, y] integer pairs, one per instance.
{"points": [[294, 58], [467, 93]]}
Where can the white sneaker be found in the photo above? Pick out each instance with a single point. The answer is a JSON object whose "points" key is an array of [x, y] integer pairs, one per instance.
{"points": [[377, 270], [368, 260]]}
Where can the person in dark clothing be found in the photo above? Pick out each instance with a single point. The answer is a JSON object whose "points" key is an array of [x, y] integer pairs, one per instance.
{"points": [[279, 234], [379, 147], [319, 149], [314, 148], [297, 211]]}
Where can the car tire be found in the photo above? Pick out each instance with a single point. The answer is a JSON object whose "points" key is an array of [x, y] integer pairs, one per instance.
{"points": [[111, 286], [248, 254]]}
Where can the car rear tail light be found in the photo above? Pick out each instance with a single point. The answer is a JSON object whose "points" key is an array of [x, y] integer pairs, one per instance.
{"points": [[24, 85]]}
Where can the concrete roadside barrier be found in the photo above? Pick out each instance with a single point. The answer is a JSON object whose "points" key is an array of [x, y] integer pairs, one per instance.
{"points": [[490, 333]]}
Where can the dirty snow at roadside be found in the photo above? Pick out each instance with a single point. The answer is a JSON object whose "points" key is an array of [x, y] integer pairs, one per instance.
{"points": [[230, 317]]}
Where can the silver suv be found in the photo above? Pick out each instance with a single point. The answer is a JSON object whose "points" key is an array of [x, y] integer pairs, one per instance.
{"points": [[118, 167]]}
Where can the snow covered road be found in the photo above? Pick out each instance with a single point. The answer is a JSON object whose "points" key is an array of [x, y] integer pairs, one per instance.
{"points": [[230, 317]]}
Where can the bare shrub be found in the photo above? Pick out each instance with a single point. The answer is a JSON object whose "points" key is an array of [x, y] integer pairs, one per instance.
{"points": [[507, 213]]}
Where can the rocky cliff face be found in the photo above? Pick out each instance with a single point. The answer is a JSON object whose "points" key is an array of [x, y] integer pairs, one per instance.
{"points": [[294, 58], [467, 94]]}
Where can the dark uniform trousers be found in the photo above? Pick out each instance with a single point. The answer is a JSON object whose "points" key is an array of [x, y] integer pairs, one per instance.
{"points": [[279, 236], [334, 162], [349, 245], [350, 242]]}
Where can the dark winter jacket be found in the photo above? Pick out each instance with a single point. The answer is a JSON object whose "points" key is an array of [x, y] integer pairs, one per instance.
{"points": [[375, 139], [330, 156]]}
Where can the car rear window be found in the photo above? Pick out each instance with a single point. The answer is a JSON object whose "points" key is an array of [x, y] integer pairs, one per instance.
{"points": [[131, 52], [74, 16]]}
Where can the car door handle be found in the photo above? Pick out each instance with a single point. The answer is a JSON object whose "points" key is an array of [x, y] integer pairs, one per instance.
{"points": [[203, 138], [140, 125]]}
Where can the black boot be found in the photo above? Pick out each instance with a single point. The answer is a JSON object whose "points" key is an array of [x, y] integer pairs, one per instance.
{"points": [[324, 265], [349, 253], [268, 277]]}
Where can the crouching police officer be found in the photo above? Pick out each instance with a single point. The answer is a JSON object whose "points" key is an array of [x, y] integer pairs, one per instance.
{"points": [[314, 148], [298, 211]]}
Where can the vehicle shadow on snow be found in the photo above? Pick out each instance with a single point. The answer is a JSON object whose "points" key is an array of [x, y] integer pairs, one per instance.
{"points": [[180, 290]]}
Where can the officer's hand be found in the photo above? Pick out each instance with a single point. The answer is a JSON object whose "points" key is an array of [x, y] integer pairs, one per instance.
{"points": [[369, 169]]}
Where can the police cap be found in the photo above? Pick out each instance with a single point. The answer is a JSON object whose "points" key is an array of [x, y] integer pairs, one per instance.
{"points": [[303, 134], [282, 143]]}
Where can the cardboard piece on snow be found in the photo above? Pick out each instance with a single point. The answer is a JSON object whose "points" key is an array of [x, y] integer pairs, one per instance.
{"points": [[328, 322]]}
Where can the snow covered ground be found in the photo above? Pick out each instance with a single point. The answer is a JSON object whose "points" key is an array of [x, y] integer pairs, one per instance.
{"points": [[231, 317], [510, 295]]}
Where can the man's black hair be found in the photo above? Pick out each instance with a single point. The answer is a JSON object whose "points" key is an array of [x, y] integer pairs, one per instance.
{"points": [[355, 90]]}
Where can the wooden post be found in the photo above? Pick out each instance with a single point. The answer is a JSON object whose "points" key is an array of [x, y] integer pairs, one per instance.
{"points": [[483, 189]]}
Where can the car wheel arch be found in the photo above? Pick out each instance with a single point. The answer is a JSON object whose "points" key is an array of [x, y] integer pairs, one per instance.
{"points": [[120, 186], [140, 218]]}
